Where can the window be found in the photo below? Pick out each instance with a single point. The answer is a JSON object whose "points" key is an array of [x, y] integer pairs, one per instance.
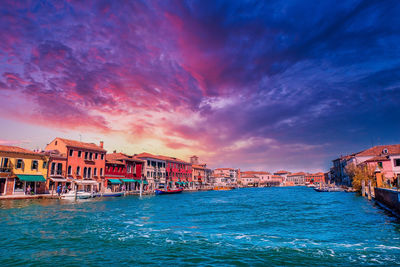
{"points": [[84, 172], [53, 167], [69, 170], [78, 170], [79, 154], [35, 165], [95, 171], [86, 155], [101, 171], [148, 174], [71, 152], [91, 156], [397, 162], [380, 164], [44, 164], [59, 169], [89, 173], [148, 163], [4, 163], [56, 143], [20, 163], [102, 156], [96, 155]]}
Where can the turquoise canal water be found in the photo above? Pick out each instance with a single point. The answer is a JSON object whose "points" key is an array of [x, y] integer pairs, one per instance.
{"points": [[261, 226]]}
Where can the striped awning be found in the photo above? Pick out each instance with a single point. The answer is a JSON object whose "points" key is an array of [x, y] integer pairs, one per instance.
{"points": [[128, 180]]}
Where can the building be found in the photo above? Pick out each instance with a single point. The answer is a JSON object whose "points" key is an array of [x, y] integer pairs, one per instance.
{"points": [[22, 171], [315, 178], [276, 180], [282, 174], [247, 179], [227, 176], [201, 175], [57, 171], [115, 171], [85, 163], [133, 176], [297, 178], [178, 172], [154, 170], [386, 157]]}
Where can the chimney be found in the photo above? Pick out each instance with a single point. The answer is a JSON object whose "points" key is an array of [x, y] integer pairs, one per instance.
{"points": [[115, 151], [101, 144]]}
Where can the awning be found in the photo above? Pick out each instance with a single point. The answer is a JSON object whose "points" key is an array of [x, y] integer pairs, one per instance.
{"points": [[85, 182], [144, 182], [62, 180], [128, 180], [114, 181], [31, 178]]}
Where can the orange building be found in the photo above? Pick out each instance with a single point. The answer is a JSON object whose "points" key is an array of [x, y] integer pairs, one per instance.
{"points": [[312, 178], [85, 162]]}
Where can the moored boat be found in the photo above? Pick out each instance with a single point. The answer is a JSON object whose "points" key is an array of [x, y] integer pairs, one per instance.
{"points": [[113, 194], [79, 195], [168, 191]]}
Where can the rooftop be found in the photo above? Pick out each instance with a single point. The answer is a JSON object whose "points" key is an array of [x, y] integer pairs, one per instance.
{"points": [[78, 144]]}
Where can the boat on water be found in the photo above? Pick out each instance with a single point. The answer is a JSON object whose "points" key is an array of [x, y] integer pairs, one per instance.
{"points": [[113, 194], [223, 188], [168, 191], [328, 189], [79, 195]]}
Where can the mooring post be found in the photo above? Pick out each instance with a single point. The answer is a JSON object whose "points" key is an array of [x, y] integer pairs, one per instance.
{"points": [[363, 188]]}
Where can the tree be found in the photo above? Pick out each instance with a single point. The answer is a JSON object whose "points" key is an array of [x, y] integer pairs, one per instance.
{"points": [[357, 173]]}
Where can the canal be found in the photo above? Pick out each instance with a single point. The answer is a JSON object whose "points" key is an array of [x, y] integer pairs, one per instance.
{"points": [[260, 226]]}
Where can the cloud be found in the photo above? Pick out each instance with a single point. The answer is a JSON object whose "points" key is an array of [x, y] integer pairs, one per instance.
{"points": [[261, 81]]}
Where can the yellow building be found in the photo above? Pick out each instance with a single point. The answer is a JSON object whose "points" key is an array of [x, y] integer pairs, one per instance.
{"points": [[22, 171]]}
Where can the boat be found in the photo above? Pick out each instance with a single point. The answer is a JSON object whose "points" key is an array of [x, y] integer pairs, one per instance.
{"points": [[222, 188], [328, 189], [79, 195], [168, 191], [113, 194]]}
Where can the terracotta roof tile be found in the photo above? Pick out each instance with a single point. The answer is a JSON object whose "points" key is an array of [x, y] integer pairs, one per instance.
{"points": [[378, 150], [16, 149]]}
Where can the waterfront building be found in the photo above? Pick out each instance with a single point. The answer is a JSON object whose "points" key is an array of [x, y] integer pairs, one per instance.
{"points": [[200, 174], [154, 170], [247, 179], [315, 178], [297, 178], [276, 180], [387, 157], [57, 171], [283, 174], [134, 170], [178, 172], [85, 162], [22, 171], [226, 176], [115, 170]]}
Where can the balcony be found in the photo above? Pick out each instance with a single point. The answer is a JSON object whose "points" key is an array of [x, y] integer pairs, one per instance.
{"points": [[57, 173]]}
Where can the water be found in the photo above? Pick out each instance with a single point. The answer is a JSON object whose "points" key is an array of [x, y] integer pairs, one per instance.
{"points": [[261, 226]]}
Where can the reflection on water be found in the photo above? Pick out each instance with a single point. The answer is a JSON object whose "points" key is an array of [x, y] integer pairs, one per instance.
{"points": [[274, 226]]}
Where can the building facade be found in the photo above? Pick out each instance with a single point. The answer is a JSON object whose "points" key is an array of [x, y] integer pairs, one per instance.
{"points": [[22, 171], [85, 163], [297, 178], [154, 170], [315, 178]]}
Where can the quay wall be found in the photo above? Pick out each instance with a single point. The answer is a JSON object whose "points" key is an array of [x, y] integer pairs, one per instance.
{"points": [[388, 197]]}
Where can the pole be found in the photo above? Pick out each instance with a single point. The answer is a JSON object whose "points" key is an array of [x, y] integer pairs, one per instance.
{"points": [[141, 186], [369, 190], [76, 191], [363, 188]]}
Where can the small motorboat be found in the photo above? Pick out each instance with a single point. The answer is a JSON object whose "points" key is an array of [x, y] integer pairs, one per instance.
{"points": [[79, 195], [168, 191], [113, 194]]}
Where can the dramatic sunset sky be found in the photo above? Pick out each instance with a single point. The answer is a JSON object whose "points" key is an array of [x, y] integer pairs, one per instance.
{"points": [[246, 84]]}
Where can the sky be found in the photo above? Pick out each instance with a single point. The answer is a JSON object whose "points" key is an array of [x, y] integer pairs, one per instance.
{"points": [[246, 84]]}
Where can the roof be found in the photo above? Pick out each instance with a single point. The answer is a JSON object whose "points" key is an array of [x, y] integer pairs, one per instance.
{"points": [[255, 172], [167, 158], [248, 176], [282, 172], [224, 169], [78, 144], [199, 167], [377, 158], [297, 174], [148, 155], [109, 161], [276, 176], [378, 150], [122, 156], [15, 149]]}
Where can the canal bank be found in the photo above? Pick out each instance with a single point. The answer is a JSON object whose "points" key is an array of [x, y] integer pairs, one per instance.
{"points": [[389, 198], [251, 226]]}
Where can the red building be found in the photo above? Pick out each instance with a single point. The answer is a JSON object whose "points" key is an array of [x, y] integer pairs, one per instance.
{"points": [[312, 178], [130, 175], [85, 162], [178, 172], [115, 171]]}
